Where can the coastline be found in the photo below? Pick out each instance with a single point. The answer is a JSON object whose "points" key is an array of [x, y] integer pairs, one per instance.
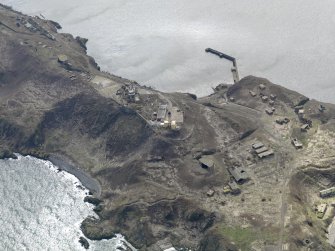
{"points": [[86, 180]]}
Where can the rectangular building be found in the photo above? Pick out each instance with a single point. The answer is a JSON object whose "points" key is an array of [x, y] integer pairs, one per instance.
{"points": [[257, 145], [266, 154], [177, 115], [260, 150], [161, 112]]}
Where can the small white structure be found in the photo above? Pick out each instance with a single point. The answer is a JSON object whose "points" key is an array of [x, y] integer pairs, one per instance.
{"points": [[262, 86]]}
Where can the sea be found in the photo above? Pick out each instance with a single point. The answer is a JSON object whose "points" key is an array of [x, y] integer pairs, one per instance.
{"points": [[42, 209], [162, 43]]}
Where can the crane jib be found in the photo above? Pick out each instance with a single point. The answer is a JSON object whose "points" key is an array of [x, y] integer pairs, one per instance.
{"points": [[234, 70], [221, 55]]}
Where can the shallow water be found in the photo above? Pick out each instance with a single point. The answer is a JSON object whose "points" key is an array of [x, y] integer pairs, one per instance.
{"points": [[41, 209], [161, 43]]}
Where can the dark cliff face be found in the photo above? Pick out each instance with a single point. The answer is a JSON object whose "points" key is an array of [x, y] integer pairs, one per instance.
{"points": [[92, 115]]}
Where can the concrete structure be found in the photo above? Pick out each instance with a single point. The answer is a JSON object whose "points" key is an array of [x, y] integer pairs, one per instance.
{"points": [[234, 189], [162, 110], [297, 108], [321, 210], [266, 154], [260, 150], [177, 115], [297, 144], [257, 145], [253, 94], [210, 193], [322, 108], [282, 121], [269, 111], [239, 174], [206, 162], [234, 70], [261, 86], [327, 192], [166, 124], [273, 97], [271, 102], [304, 127], [174, 125], [265, 98], [129, 92]]}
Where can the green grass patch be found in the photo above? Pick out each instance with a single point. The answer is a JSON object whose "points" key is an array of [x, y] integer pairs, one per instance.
{"points": [[243, 237]]}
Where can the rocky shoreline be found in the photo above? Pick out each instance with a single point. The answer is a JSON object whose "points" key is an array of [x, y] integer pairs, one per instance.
{"points": [[86, 180]]}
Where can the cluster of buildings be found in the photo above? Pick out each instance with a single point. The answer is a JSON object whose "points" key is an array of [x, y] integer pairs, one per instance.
{"points": [[261, 150], [321, 209], [270, 99], [33, 26], [169, 117], [305, 123], [129, 92]]}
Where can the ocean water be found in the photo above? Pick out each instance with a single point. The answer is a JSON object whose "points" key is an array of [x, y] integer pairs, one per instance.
{"points": [[161, 43], [41, 208]]}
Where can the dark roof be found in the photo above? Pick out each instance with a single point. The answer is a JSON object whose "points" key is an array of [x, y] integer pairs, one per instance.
{"points": [[239, 174], [260, 150], [266, 153]]}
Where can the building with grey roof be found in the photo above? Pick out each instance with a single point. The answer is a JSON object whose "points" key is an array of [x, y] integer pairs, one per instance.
{"points": [[239, 174]]}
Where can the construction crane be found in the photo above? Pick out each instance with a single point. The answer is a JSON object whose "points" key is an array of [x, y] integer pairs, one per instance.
{"points": [[230, 58]]}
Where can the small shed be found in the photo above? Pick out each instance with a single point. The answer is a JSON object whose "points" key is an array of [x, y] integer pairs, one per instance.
{"points": [[273, 96], [261, 86], [265, 98], [297, 144], [260, 150], [252, 93], [206, 162], [304, 127], [257, 145], [269, 111], [239, 174], [266, 154], [210, 193], [321, 210]]}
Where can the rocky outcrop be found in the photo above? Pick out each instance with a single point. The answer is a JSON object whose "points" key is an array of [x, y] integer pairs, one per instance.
{"points": [[82, 42], [84, 242], [92, 200]]}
